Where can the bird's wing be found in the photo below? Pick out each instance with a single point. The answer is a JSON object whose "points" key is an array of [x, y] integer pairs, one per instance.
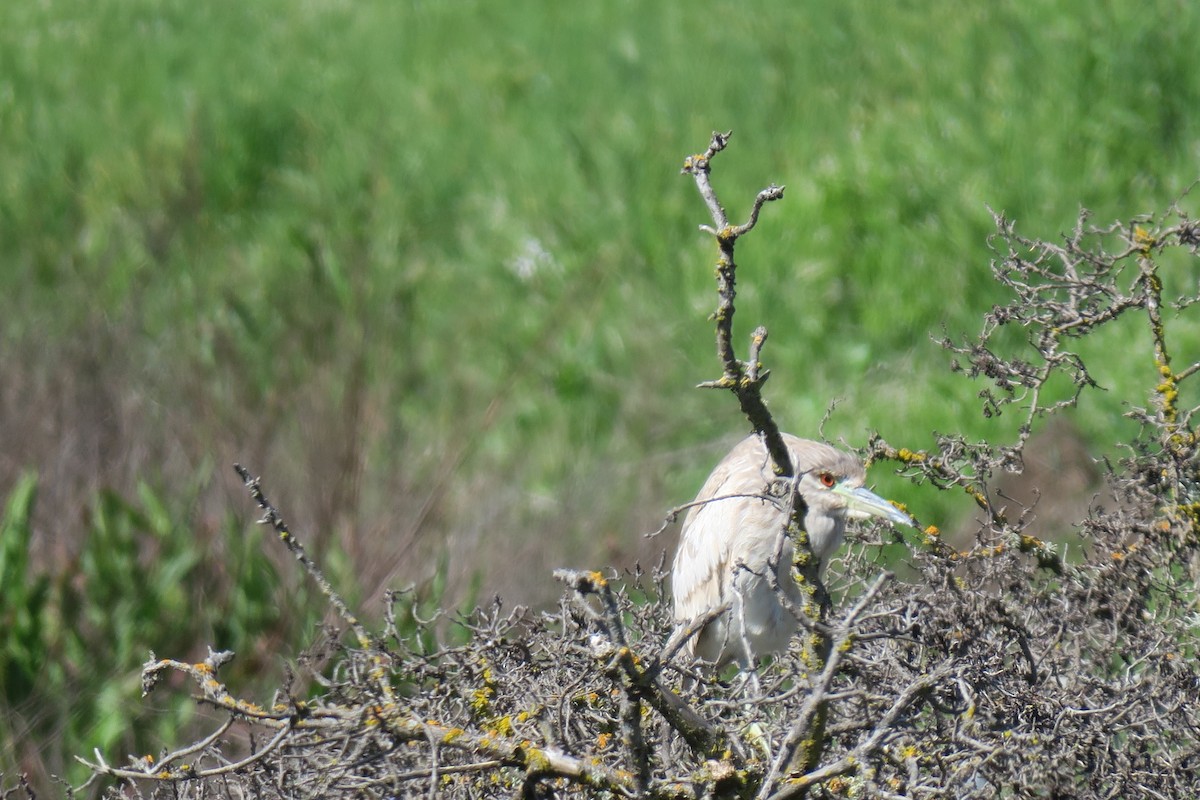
{"points": [[709, 542], [702, 560]]}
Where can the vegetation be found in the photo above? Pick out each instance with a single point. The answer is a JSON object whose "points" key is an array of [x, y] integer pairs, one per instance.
{"points": [[431, 268], [1006, 670]]}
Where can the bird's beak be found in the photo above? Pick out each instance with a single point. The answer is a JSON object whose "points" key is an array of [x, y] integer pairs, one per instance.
{"points": [[862, 503]]}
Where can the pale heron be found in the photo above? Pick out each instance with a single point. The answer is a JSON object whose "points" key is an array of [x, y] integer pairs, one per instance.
{"points": [[731, 538]]}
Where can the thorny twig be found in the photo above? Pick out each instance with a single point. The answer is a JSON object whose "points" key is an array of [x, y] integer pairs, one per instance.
{"points": [[743, 378]]}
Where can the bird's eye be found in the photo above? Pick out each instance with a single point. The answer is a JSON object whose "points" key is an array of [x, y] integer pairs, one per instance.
{"points": [[827, 480]]}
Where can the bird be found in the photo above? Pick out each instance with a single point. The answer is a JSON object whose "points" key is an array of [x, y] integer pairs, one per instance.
{"points": [[731, 537]]}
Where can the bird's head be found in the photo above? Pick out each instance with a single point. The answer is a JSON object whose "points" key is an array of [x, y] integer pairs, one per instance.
{"points": [[832, 485]]}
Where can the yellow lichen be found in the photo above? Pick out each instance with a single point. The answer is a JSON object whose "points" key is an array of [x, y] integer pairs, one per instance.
{"points": [[481, 700], [1143, 239], [535, 760], [502, 726]]}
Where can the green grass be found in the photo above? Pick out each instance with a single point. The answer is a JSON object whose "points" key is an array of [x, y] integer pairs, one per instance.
{"points": [[431, 268]]}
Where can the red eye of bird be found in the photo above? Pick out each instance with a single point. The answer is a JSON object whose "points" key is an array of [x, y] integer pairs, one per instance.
{"points": [[827, 480]]}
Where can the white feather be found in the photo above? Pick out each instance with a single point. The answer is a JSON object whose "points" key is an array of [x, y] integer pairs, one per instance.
{"points": [[730, 540]]}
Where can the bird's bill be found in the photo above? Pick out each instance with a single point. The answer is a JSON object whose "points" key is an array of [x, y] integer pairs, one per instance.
{"points": [[862, 503]]}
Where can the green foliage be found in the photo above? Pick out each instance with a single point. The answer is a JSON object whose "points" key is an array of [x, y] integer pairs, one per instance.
{"points": [[22, 614], [465, 218], [71, 641]]}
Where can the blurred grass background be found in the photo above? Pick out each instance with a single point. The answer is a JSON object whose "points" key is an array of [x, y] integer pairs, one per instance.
{"points": [[430, 268]]}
